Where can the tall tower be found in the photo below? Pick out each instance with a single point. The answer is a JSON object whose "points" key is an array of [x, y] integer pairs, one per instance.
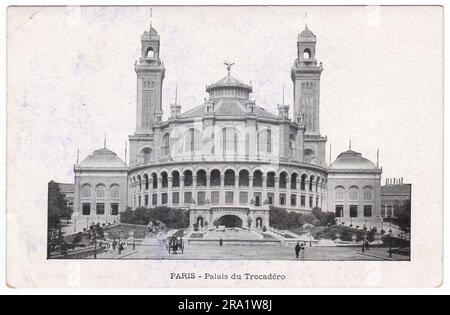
{"points": [[150, 75], [305, 75]]}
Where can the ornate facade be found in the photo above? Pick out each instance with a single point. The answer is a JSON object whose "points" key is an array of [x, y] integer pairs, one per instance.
{"points": [[228, 157]]}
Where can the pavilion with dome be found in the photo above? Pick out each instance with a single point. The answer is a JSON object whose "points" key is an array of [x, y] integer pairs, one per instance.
{"points": [[228, 160]]}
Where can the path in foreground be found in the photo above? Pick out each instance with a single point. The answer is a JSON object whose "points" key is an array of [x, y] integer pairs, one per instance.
{"points": [[209, 252]]}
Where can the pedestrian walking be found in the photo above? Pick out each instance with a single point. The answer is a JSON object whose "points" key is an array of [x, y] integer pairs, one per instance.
{"points": [[302, 251], [114, 245], [367, 246], [221, 242], [297, 250]]}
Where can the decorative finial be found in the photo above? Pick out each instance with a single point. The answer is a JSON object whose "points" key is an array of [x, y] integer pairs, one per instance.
{"points": [[229, 65], [126, 153], [105, 141], [78, 156], [283, 95], [176, 94], [378, 158], [350, 145]]}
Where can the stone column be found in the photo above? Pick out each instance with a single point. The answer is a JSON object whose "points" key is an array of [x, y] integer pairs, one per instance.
{"points": [[170, 191], [208, 189], [288, 192], [222, 188], [264, 189], [251, 190], [307, 194], [182, 190], [276, 198]]}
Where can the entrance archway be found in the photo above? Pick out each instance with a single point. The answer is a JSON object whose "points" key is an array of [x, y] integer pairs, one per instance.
{"points": [[230, 221], [259, 223]]}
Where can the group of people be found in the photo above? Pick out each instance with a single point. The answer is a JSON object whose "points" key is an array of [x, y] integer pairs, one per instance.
{"points": [[300, 250], [114, 246]]}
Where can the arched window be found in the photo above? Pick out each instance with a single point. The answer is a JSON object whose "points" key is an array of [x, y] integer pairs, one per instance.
{"points": [[265, 141], [215, 178], [229, 141], [150, 53], [188, 179], [139, 182], [175, 179], [114, 191], [353, 193], [155, 180], [317, 184], [294, 177], [309, 156], [311, 183], [164, 180], [147, 182], [307, 54], [257, 179], [230, 178], [192, 140], [303, 182], [146, 153], [86, 191], [283, 180], [201, 178], [292, 146], [244, 178], [271, 179], [368, 193], [166, 144], [100, 191], [339, 193]]}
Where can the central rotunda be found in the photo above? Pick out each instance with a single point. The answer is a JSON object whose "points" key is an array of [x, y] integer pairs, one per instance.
{"points": [[228, 160]]}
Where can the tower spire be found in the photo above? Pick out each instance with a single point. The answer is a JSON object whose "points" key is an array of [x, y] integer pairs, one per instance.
{"points": [[176, 94], [151, 16], [378, 158], [329, 161]]}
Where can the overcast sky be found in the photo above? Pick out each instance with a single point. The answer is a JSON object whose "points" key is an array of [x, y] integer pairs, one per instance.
{"points": [[71, 76]]}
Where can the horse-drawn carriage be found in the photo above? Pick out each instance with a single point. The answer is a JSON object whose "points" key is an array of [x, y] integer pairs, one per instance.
{"points": [[175, 244]]}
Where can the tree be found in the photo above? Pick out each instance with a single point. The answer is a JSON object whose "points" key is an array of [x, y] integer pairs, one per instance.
{"points": [[57, 206], [404, 217]]}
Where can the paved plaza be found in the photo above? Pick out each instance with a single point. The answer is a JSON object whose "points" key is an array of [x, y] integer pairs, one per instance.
{"points": [[236, 252]]}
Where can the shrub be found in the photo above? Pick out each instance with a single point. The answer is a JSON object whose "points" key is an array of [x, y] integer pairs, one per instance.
{"points": [[172, 218]]}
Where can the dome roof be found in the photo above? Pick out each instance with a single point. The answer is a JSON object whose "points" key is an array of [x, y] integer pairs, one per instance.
{"points": [[103, 158], [229, 81], [351, 160], [307, 34]]}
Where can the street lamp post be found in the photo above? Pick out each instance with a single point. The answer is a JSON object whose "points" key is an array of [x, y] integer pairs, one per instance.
{"points": [[95, 243], [390, 243]]}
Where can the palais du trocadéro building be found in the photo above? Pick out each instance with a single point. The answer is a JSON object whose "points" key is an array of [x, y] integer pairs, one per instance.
{"points": [[228, 159]]}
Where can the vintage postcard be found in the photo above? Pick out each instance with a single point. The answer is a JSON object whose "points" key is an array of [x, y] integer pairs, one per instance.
{"points": [[225, 146]]}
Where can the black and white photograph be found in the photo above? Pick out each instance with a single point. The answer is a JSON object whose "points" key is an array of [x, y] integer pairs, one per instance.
{"points": [[277, 135]]}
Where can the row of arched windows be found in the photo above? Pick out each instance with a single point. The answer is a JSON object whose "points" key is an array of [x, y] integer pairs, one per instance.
{"points": [[229, 178], [353, 193], [100, 191], [229, 143]]}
